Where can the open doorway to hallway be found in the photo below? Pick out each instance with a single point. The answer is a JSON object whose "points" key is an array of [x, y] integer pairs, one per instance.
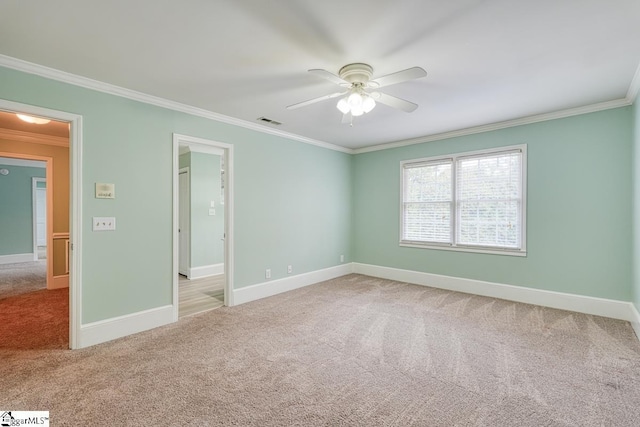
{"points": [[34, 225], [201, 221], [203, 232]]}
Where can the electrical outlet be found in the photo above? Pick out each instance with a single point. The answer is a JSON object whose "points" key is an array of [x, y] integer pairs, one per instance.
{"points": [[341, 258], [289, 269], [267, 273]]}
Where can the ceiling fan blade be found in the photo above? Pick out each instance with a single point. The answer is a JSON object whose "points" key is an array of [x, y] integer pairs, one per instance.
{"points": [[330, 76], [398, 77], [398, 103], [314, 100]]}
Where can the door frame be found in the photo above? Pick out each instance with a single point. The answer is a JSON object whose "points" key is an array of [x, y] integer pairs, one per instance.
{"points": [[201, 144], [187, 231], [34, 196], [75, 208]]}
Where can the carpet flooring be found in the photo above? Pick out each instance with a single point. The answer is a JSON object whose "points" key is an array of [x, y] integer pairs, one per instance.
{"points": [[23, 277], [354, 351], [37, 320]]}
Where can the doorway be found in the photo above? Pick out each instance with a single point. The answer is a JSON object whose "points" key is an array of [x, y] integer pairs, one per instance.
{"points": [[51, 240], [39, 191], [203, 232], [23, 218]]}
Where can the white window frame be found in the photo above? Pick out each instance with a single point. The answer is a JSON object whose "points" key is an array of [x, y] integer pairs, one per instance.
{"points": [[454, 246]]}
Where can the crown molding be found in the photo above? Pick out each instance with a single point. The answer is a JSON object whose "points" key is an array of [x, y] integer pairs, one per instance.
{"points": [[63, 76], [634, 87], [34, 138], [617, 103]]}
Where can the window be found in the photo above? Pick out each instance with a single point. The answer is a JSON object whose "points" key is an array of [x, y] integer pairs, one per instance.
{"points": [[469, 201]]}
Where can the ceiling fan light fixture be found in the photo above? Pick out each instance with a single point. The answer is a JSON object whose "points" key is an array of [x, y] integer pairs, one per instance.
{"points": [[355, 100], [33, 120], [343, 106], [368, 104], [357, 111], [357, 78]]}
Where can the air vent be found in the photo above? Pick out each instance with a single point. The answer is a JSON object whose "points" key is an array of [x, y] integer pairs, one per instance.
{"points": [[266, 120]]}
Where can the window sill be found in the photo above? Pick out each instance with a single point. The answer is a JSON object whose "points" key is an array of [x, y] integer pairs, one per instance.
{"points": [[508, 252]]}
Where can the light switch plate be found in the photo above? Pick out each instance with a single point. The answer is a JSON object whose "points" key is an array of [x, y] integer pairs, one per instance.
{"points": [[104, 223]]}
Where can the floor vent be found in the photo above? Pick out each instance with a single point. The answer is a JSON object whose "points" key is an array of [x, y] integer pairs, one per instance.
{"points": [[266, 120]]}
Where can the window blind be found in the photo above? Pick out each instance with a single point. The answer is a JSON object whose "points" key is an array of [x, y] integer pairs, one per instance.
{"points": [[489, 200], [427, 201], [472, 202]]}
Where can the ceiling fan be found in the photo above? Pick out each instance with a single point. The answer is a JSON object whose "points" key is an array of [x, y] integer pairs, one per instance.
{"points": [[359, 95]]}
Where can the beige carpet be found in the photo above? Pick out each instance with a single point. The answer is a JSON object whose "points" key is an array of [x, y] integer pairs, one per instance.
{"points": [[23, 277], [354, 351]]}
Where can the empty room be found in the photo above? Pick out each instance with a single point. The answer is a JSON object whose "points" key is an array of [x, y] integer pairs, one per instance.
{"points": [[358, 213]]}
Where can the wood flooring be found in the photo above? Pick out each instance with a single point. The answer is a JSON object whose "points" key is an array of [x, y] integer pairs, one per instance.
{"points": [[198, 295]]}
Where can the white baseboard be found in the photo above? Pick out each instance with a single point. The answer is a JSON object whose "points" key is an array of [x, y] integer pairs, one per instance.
{"points": [[59, 282], [206, 271], [274, 287], [15, 258], [117, 327], [582, 304], [635, 322]]}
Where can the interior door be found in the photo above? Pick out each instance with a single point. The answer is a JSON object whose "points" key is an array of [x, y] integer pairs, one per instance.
{"points": [[183, 222], [41, 216]]}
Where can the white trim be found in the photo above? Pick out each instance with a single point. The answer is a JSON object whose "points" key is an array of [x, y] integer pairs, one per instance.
{"points": [[60, 282], [75, 211], [62, 76], [634, 87], [75, 231], [274, 287], [117, 327], [635, 321], [34, 138], [206, 271], [457, 248], [564, 301], [179, 139], [16, 258], [608, 105], [186, 254], [8, 161]]}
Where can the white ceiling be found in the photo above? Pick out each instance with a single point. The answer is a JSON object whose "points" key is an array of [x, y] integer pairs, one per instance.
{"points": [[488, 61]]}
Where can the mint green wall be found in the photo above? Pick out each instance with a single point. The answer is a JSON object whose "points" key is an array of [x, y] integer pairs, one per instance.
{"points": [[292, 200], [16, 209], [293, 193], [578, 216], [303, 205], [636, 203], [207, 231]]}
